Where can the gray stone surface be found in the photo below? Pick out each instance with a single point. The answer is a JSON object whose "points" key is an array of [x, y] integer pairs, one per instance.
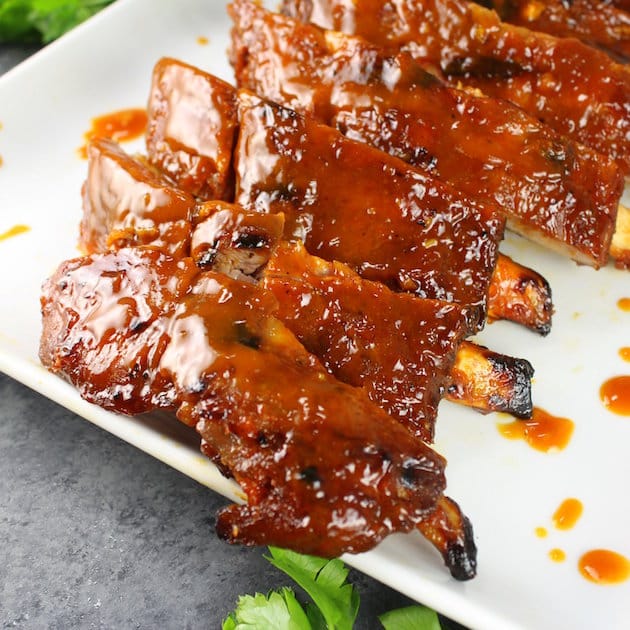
{"points": [[96, 534]]}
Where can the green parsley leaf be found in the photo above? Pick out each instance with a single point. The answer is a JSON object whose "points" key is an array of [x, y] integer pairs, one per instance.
{"points": [[279, 610], [410, 618], [325, 582], [15, 24], [43, 20]]}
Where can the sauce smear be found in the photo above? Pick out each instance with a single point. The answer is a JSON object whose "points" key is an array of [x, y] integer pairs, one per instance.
{"points": [[615, 394], [542, 431], [202, 41], [603, 566], [541, 532], [14, 231], [624, 353], [624, 304], [567, 514], [126, 124]]}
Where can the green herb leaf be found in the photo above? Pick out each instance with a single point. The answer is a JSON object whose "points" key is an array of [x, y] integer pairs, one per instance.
{"points": [[411, 618], [15, 24], [279, 610], [325, 582], [43, 20]]}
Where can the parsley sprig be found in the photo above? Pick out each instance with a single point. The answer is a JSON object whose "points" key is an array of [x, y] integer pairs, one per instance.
{"points": [[334, 605], [41, 21]]}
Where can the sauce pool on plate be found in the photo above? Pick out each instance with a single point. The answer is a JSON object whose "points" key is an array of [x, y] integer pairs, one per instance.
{"points": [[615, 394], [120, 126], [567, 514], [603, 566], [542, 431], [624, 303]]}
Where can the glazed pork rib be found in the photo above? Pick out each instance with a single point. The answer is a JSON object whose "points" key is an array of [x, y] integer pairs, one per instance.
{"points": [[595, 22], [404, 229], [238, 243], [135, 330], [551, 190], [574, 88], [176, 114]]}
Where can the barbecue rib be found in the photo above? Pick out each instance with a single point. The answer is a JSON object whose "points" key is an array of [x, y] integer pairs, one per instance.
{"points": [[550, 189], [238, 243], [187, 108], [136, 330], [405, 229], [596, 22], [574, 88]]}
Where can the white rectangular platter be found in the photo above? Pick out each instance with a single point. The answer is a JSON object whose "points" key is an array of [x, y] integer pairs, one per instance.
{"points": [[506, 488]]}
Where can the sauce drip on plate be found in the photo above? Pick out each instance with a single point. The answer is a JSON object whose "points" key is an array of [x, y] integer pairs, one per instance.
{"points": [[624, 353], [542, 431], [120, 126], [615, 394], [624, 303], [541, 532], [603, 566], [14, 231], [557, 555], [567, 514], [202, 41]]}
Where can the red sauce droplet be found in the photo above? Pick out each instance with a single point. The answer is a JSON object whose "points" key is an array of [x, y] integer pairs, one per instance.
{"points": [[567, 514], [624, 304], [615, 394], [202, 41], [542, 431], [603, 566], [14, 231], [120, 126], [557, 555], [624, 353], [541, 532]]}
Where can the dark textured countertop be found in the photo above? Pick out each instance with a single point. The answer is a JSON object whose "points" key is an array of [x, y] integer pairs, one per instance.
{"points": [[96, 534]]}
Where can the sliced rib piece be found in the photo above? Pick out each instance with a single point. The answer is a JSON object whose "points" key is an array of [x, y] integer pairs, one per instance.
{"points": [[125, 202], [190, 134], [501, 383], [137, 329], [400, 348], [355, 204], [595, 22], [574, 88], [397, 347], [551, 190]]}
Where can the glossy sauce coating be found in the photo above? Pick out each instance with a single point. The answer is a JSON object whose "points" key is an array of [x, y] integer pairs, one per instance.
{"points": [[542, 432], [397, 347], [550, 189], [567, 514], [136, 329], [603, 566], [119, 126], [615, 394], [405, 229], [14, 231], [598, 23], [192, 123], [574, 88], [127, 203]]}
